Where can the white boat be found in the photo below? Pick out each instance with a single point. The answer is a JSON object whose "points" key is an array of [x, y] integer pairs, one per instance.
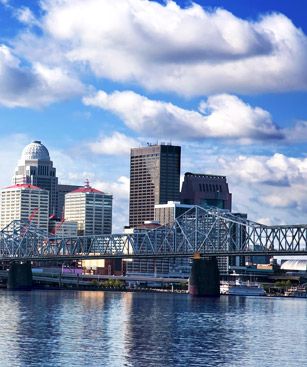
{"points": [[298, 292], [239, 288]]}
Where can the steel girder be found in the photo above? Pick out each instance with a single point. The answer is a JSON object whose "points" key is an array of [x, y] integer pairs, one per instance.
{"points": [[209, 231]]}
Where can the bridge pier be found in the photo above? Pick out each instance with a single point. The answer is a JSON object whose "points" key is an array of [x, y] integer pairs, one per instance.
{"points": [[20, 276], [204, 280]]}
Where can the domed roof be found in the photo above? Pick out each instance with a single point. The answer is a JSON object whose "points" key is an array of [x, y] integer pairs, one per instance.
{"points": [[35, 150]]}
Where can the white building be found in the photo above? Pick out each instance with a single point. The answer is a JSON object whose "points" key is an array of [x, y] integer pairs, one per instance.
{"points": [[24, 201], [91, 209]]}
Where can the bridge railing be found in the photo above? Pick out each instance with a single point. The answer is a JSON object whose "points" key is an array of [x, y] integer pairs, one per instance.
{"points": [[209, 231]]}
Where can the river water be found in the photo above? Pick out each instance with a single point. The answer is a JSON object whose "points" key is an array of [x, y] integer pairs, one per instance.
{"points": [[71, 328]]}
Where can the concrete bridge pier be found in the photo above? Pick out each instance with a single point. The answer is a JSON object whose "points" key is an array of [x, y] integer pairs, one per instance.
{"points": [[20, 276], [204, 280]]}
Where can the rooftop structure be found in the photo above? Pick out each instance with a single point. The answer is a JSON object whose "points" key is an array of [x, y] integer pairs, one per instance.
{"points": [[205, 190]]}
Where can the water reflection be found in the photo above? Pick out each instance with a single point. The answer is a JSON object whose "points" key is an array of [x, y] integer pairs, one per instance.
{"points": [[56, 328]]}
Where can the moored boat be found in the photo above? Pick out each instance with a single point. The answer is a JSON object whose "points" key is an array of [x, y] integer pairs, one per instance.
{"points": [[239, 288], [298, 292]]}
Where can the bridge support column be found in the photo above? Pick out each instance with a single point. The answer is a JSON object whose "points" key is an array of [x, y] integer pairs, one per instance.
{"points": [[205, 278], [20, 276]]}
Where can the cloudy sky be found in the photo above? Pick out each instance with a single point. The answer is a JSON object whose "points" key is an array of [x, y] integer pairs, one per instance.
{"points": [[225, 79]]}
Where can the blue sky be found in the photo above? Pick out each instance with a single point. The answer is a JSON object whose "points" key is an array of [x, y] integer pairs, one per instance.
{"points": [[227, 80]]}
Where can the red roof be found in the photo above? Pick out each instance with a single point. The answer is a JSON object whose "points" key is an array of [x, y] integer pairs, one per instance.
{"points": [[86, 189], [23, 186]]}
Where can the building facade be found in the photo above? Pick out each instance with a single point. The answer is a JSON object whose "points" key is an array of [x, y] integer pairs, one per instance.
{"points": [[91, 209], [23, 202], [206, 190], [61, 192], [167, 213], [35, 168], [61, 228], [154, 179]]}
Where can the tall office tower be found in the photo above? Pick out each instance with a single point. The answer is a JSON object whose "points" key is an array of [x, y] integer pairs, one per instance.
{"points": [[154, 179], [203, 190], [91, 208], [61, 192], [36, 168], [24, 201]]}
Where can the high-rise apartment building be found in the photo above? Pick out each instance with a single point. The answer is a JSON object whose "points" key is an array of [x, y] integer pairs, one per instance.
{"points": [[205, 190], [24, 201], [35, 168], [154, 179], [91, 209]]}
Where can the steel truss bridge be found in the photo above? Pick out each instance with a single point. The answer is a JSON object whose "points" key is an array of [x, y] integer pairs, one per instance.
{"points": [[207, 231]]}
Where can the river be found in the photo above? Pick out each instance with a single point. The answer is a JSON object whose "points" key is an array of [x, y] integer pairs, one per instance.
{"points": [[72, 328]]}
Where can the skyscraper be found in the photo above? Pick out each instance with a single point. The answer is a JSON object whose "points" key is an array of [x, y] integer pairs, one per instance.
{"points": [[154, 179], [205, 190], [36, 168], [23, 201], [91, 209]]}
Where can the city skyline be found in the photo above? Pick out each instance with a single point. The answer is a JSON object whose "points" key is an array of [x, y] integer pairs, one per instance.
{"points": [[90, 99]]}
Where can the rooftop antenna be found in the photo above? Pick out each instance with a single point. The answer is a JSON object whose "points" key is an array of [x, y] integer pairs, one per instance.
{"points": [[87, 183]]}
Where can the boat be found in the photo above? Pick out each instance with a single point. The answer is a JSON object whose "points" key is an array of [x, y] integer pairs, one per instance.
{"points": [[298, 292], [239, 288]]}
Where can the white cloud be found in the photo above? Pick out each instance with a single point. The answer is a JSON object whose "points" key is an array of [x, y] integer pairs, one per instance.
{"points": [[278, 170], [116, 144], [25, 15], [11, 147], [22, 86], [190, 51], [220, 116]]}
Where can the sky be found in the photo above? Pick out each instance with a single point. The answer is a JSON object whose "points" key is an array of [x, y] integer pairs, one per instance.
{"points": [[225, 79]]}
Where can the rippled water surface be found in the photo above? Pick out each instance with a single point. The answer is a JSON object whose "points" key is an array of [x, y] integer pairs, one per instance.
{"points": [[67, 328]]}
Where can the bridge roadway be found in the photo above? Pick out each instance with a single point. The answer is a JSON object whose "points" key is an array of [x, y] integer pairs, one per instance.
{"points": [[85, 279], [207, 231]]}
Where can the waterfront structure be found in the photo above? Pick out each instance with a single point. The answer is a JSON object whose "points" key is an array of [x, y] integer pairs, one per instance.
{"points": [[154, 179], [62, 190], [23, 202], [205, 190], [35, 168], [167, 213], [91, 209]]}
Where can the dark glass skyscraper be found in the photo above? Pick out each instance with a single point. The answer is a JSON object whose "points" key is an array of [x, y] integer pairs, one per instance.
{"points": [[154, 179]]}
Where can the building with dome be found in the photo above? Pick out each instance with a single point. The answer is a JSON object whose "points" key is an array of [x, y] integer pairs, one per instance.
{"points": [[35, 168]]}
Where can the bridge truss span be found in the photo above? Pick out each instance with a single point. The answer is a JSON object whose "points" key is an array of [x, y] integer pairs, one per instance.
{"points": [[208, 231]]}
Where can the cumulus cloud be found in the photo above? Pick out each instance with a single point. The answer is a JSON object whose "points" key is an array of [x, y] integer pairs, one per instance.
{"points": [[190, 51], [39, 85], [276, 170], [220, 116], [116, 144]]}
